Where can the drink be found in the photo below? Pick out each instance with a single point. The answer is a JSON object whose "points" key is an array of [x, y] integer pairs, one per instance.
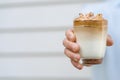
{"points": [[91, 34]]}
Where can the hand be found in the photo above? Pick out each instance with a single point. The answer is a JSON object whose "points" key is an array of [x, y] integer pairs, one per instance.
{"points": [[72, 48]]}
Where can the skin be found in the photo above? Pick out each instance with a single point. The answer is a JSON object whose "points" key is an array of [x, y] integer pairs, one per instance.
{"points": [[72, 48]]}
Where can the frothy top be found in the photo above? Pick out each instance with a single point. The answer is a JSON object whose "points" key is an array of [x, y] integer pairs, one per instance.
{"points": [[90, 20], [89, 16]]}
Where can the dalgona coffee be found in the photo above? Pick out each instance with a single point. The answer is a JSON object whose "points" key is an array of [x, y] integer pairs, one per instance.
{"points": [[91, 34]]}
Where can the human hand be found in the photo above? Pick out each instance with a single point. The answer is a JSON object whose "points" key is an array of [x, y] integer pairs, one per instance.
{"points": [[72, 48]]}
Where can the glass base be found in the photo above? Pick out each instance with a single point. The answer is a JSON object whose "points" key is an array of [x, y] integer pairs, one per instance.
{"points": [[91, 61]]}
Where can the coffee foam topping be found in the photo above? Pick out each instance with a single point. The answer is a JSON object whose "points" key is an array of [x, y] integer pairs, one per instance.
{"points": [[89, 16]]}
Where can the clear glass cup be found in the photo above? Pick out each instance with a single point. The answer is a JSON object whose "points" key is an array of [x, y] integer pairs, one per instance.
{"points": [[91, 35]]}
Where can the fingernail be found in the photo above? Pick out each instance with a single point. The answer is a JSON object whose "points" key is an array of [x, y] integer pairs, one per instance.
{"points": [[76, 58], [79, 67]]}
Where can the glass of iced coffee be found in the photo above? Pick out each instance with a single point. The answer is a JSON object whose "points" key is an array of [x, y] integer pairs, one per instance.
{"points": [[91, 35]]}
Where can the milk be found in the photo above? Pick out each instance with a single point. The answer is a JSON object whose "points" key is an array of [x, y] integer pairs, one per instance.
{"points": [[92, 42]]}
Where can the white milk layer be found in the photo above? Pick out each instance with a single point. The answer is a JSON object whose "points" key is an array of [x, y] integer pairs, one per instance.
{"points": [[92, 42]]}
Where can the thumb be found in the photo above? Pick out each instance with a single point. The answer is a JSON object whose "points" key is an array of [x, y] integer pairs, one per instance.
{"points": [[109, 40]]}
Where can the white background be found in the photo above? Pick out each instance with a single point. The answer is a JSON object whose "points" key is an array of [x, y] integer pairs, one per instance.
{"points": [[31, 35]]}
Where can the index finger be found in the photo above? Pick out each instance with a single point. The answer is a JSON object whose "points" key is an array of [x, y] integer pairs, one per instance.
{"points": [[70, 35]]}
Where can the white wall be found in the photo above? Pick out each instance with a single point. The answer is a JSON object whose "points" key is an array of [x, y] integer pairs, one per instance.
{"points": [[31, 34]]}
